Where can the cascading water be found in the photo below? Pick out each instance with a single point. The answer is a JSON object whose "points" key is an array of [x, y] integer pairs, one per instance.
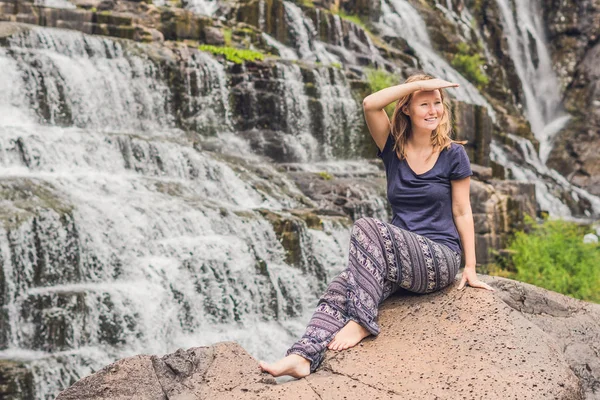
{"points": [[524, 30], [551, 187], [340, 110], [400, 19], [55, 4], [120, 235], [202, 7], [284, 52], [76, 80], [309, 48], [297, 113]]}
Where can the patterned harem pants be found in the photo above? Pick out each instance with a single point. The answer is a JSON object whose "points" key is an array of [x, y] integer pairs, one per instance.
{"points": [[382, 258]]}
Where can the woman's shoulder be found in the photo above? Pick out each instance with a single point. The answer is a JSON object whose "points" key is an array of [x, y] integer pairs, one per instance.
{"points": [[455, 149]]}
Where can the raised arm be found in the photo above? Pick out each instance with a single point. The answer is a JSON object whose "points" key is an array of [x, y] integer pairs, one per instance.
{"points": [[375, 115], [374, 104]]}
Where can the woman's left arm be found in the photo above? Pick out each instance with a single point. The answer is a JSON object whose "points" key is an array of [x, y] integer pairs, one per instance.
{"points": [[463, 219]]}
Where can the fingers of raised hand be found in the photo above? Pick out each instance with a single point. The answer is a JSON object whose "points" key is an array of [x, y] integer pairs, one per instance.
{"points": [[433, 84]]}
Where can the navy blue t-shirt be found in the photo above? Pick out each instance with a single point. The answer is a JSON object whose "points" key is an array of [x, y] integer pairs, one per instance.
{"points": [[422, 203]]}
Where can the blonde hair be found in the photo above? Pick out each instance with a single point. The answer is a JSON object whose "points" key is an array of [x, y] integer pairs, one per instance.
{"points": [[401, 124]]}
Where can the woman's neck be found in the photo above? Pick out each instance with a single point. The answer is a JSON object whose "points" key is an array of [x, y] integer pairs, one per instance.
{"points": [[419, 140]]}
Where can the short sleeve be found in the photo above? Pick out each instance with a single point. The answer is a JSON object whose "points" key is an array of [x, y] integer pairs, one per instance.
{"points": [[387, 149], [460, 166]]}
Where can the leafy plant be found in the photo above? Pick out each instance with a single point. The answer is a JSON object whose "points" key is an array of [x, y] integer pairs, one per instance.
{"points": [[227, 36], [325, 175], [470, 65], [380, 79], [237, 56], [352, 18], [552, 255]]}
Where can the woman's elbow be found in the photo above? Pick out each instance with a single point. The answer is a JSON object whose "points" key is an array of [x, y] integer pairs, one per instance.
{"points": [[459, 211], [367, 103]]}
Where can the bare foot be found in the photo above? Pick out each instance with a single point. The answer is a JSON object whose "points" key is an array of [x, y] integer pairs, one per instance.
{"points": [[349, 336], [293, 365]]}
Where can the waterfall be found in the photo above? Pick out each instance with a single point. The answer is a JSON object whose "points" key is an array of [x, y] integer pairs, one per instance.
{"points": [[297, 113], [341, 128], [120, 235], [551, 188], [400, 19], [86, 81], [55, 4], [284, 52], [524, 31], [309, 47], [206, 85], [261, 15], [203, 7]]}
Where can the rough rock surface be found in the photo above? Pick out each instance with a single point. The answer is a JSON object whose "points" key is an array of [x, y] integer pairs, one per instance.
{"points": [[520, 342], [573, 324]]}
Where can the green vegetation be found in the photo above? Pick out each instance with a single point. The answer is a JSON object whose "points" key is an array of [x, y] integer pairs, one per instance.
{"points": [[477, 6], [353, 18], [325, 175], [307, 3], [553, 256], [237, 56], [470, 65], [380, 79], [227, 36], [336, 65]]}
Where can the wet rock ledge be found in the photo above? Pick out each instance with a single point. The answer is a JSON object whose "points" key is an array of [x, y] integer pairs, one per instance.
{"points": [[520, 342]]}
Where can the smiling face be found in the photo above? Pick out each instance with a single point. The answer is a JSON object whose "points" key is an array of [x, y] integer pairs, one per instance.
{"points": [[425, 110]]}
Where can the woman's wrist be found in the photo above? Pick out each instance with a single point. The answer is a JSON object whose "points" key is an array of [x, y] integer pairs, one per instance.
{"points": [[415, 85]]}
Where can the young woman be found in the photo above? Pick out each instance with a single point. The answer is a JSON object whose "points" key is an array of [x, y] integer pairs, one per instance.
{"points": [[428, 179]]}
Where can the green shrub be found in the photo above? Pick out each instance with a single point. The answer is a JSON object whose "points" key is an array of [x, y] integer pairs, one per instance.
{"points": [[552, 255], [353, 18], [470, 66], [325, 175], [380, 79], [237, 56], [227, 36]]}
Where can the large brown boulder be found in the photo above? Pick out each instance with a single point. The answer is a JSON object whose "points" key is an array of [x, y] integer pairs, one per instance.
{"points": [[518, 342]]}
